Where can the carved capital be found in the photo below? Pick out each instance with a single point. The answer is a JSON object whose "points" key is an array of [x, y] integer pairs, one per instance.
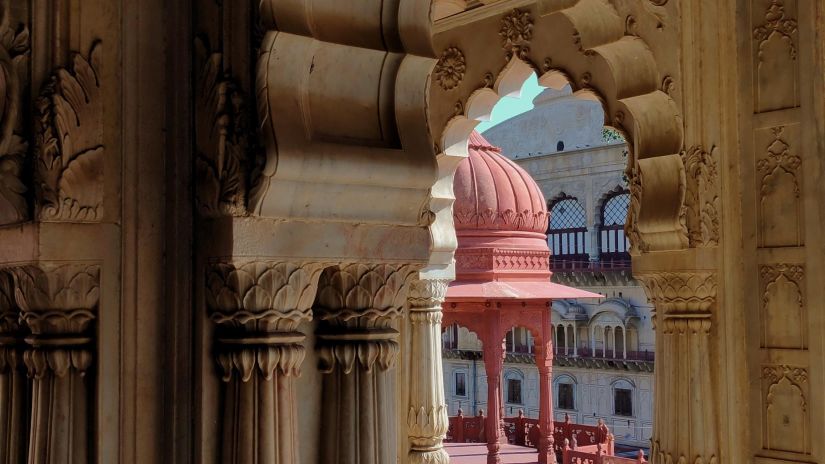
{"points": [[427, 294], [683, 293], [69, 143], [59, 304], [359, 304], [257, 307]]}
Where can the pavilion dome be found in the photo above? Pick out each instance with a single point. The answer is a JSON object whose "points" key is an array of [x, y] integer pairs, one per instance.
{"points": [[495, 194]]}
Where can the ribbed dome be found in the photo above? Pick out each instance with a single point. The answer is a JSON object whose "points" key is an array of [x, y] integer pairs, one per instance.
{"points": [[494, 193]]}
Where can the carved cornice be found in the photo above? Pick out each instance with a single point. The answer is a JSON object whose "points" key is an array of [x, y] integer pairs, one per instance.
{"points": [[69, 143], [222, 141], [681, 293], [14, 57], [702, 196]]}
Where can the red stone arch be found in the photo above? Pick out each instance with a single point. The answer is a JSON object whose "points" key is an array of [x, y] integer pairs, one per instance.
{"points": [[594, 48]]}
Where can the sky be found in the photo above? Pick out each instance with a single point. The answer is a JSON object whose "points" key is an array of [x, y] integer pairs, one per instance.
{"points": [[508, 107]]}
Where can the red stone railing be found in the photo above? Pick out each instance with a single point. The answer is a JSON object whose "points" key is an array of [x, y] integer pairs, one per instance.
{"points": [[596, 454]]}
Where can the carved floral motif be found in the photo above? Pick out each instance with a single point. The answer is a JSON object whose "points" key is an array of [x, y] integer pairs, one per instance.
{"points": [[776, 23], [69, 143], [779, 158], [634, 184], [449, 71], [516, 31], [359, 304], [681, 292], [702, 196], [222, 142], [257, 307], [14, 56]]}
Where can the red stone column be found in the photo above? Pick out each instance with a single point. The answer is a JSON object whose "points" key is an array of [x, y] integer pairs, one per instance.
{"points": [[493, 364], [544, 360]]}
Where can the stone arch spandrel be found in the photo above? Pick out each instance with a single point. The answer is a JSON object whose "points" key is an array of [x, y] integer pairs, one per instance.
{"points": [[590, 47]]}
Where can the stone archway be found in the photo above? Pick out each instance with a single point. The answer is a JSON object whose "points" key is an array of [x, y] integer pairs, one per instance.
{"points": [[604, 53]]}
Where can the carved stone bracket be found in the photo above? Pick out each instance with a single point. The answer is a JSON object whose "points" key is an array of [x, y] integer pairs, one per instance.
{"points": [[69, 143], [256, 307], [359, 306], [59, 306], [427, 421]]}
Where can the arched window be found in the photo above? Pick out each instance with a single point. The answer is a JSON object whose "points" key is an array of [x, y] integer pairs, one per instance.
{"points": [[614, 246], [622, 398], [513, 381], [566, 234], [566, 393]]}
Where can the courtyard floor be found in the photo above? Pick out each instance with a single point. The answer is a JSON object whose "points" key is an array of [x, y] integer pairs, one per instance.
{"points": [[476, 453]]}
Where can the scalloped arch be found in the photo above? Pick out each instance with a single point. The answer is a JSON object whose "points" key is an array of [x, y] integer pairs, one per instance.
{"points": [[584, 44]]}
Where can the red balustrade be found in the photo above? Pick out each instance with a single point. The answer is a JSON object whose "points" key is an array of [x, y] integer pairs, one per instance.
{"points": [[573, 443]]}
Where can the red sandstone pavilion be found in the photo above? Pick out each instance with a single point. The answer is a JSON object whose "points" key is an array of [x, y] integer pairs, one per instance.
{"points": [[503, 281]]}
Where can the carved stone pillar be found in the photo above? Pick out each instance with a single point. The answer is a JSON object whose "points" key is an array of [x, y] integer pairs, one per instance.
{"points": [[257, 307], [544, 361], [686, 422], [493, 364], [59, 306], [13, 384], [427, 421], [359, 306]]}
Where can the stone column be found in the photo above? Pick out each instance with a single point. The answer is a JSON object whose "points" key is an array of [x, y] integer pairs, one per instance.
{"points": [[493, 364], [427, 421], [14, 409], [544, 361], [575, 340], [256, 307], [685, 409], [359, 306], [59, 305], [613, 338]]}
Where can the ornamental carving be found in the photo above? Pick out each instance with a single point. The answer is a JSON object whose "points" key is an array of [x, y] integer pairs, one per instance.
{"points": [[785, 415], [426, 293], [14, 58], [222, 141], [449, 71], [776, 23], [783, 316], [634, 184], [681, 292], [358, 305], [778, 160], [69, 143], [507, 219], [261, 295], [516, 31], [702, 196]]}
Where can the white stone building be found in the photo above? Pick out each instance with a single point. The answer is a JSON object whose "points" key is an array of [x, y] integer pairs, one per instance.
{"points": [[604, 348]]}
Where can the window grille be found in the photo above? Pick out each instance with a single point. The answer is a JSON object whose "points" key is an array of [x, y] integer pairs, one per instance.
{"points": [[614, 245], [566, 234], [566, 398]]}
